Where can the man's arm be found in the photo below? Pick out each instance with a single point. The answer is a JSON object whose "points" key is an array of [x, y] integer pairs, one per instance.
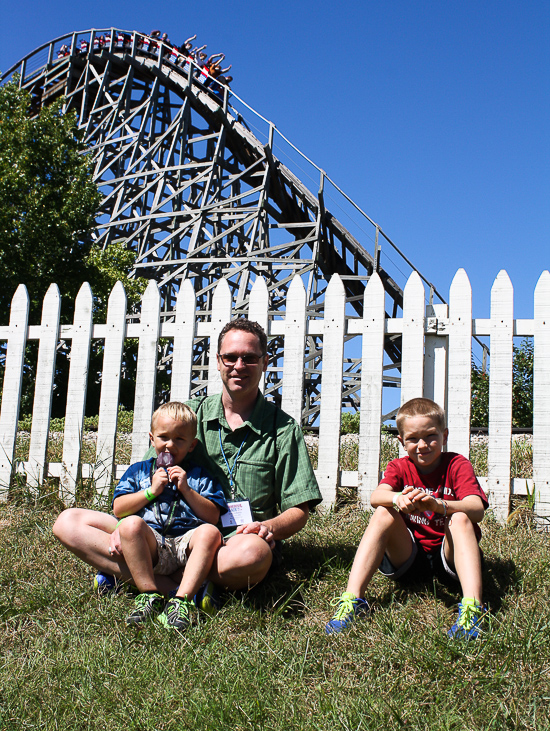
{"points": [[281, 526]]}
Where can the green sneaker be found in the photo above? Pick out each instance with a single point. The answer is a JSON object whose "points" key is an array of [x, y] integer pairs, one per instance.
{"points": [[147, 606], [178, 613], [349, 609], [467, 625]]}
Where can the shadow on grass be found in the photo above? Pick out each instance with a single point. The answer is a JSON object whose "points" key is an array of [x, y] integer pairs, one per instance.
{"points": [[499, 574], [302, 564]]}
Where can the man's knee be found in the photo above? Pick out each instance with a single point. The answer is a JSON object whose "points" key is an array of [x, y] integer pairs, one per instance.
{"points": [[244, 561], [255, 552]]}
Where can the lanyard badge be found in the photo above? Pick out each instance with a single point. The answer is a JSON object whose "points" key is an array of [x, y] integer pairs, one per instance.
{"points": [[239, 511]]}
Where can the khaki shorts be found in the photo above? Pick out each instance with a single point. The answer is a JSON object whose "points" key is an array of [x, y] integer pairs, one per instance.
{"points": [[172, 552]]}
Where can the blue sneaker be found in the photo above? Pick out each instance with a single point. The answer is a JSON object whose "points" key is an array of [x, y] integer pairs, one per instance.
{"points": [[105, 584], [349, 608], [208, 599], [467, 625]]}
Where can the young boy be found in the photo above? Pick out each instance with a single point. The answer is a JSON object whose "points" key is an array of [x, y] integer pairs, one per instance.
{"points": [[428, 507], [168, 519]]}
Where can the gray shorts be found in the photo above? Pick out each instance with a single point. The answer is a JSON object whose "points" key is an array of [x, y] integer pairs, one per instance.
{"points": [[172, 552], [420, 565]]}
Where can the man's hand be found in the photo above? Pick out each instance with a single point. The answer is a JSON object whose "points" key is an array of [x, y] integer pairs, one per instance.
{"points": [[260, 530]]}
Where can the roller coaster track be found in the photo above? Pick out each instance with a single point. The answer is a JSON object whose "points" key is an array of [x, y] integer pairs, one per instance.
{"points": [[196, 194]]}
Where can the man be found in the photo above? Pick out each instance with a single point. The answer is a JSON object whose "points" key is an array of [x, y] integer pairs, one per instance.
{"points": [[252, 448]]}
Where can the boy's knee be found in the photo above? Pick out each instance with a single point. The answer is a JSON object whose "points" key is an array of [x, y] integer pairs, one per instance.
{"points": [[461, 522], [65, 523], [131, 526], [383, 517], [208, 535]]}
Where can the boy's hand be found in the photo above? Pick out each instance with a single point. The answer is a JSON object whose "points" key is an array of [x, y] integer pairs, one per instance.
{"points": [[418, 501], [159, 481], [179, 477], [115, 545]]}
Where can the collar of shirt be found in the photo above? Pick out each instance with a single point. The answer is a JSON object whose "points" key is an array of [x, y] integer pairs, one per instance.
{"points": [[254, 423]]}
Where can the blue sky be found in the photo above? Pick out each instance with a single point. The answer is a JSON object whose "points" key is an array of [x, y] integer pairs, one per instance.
{"points": [[432, 116]]}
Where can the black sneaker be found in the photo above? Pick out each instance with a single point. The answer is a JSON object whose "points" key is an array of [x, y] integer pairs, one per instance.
{"points": [[147, 606], [178, 613]]}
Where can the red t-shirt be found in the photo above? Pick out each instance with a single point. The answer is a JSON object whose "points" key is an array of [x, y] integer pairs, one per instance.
{"points": [[454, 479]]}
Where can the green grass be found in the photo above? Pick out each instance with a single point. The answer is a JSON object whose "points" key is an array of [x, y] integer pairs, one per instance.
{"points": [[69, 662]]}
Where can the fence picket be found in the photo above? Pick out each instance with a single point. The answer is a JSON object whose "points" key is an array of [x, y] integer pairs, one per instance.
{"points": [[13, 379], [43, 389], [460, 364], [541, 396], [258, 311], [371, 389], [435, 354], [76, 393], [500, 394], [146, 370], [221, 314], [412, 349], [331, 394], [110, 387], [182, 362], [295, 345]]}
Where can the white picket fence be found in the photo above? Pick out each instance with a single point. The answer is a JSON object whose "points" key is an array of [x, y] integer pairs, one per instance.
{"points": [[436, 362]]}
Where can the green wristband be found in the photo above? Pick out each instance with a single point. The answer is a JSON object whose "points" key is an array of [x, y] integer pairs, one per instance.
{"points": [[119, 522], [149, 494]]}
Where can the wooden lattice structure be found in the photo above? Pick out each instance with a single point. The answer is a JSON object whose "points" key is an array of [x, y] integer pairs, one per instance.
{"points": [[190, 189]]}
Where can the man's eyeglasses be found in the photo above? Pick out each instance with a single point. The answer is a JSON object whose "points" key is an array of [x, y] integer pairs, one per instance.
{"points": [[249, 359]]}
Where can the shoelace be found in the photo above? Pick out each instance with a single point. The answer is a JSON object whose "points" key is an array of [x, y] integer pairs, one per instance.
{"points": [[181, 608], [143, 600], [345, 605], [469, 614]]}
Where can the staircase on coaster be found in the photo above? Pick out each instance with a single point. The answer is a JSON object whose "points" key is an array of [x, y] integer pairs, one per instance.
{"points": [[190, 189]]}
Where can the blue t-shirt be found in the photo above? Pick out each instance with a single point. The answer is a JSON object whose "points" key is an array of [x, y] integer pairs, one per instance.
{"points": [[169, 514]]}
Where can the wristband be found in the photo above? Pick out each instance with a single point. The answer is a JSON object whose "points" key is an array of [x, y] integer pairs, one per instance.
{"points": [[119, 522], [395, 505], [444, 508], [149, 494]]}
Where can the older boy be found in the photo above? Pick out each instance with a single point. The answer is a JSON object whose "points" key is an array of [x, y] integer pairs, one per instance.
{"points": [[427, 510]]}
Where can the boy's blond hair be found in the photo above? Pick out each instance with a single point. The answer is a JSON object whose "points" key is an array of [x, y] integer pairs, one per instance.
{"points": [[179, 412], [420, 407]]}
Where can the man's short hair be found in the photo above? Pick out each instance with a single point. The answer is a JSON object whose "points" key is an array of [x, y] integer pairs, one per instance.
{"points": [[420, 407], [179, 412], [245, 325]]}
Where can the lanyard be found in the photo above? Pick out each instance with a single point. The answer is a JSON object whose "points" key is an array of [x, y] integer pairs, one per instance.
{"points": [[231, 470], [166, 524]]}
